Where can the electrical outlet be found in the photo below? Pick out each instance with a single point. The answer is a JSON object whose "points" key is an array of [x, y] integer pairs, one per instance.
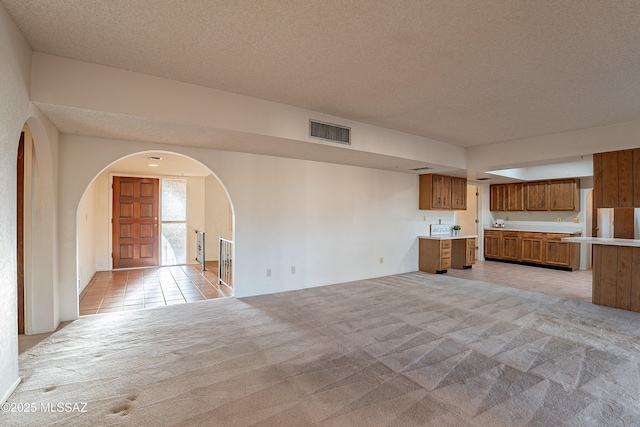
{"points": [[576, 220], [293, 269], [559, 219], [381, 260], [268, 272]]}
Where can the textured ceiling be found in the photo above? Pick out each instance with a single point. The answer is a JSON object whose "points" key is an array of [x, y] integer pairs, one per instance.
{"points": [[462, 72]]}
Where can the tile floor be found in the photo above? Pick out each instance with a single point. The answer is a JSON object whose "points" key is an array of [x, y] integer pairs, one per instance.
{"points": [[123, 290], [567, 284]]}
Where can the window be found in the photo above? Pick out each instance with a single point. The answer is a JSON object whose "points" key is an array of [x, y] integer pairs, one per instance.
{"points": [[174, 221]]}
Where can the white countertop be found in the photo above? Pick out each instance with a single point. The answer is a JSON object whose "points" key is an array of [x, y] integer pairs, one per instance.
{"points": [[603, 241], [536, 230], [445, 237]]}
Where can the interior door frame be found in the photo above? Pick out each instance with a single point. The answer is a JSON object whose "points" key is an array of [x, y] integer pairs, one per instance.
{"points": [[111, 189], [20, 202]]}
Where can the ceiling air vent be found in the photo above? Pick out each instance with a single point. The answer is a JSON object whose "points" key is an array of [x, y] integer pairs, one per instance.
{"points": [[330, 132], [424, 168]]}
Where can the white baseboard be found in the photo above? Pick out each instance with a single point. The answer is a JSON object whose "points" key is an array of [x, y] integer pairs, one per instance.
{"points": [[10, 391]]}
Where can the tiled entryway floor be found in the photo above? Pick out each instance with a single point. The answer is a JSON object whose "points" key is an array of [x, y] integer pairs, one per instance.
{"points": [[122, 290], [566, 284]]}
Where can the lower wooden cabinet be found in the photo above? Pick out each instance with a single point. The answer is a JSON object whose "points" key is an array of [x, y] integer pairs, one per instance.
{"points": [[510, 245], [434, 255], [560, 253], [532, 248], [463, 253], [437, 256], [616, 280], [491, 244]]}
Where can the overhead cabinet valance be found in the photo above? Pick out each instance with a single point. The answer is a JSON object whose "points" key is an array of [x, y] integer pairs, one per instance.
{"points": [[550, 195]]}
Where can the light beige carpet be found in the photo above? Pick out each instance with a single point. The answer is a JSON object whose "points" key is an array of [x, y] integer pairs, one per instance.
{"points": [[407, 350]]}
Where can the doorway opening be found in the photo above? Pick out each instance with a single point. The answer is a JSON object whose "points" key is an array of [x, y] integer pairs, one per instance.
{"points": [[190, 199], [468, 218]]}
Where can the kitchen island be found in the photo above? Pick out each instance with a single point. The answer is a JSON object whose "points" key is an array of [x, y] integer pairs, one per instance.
{"points": [[616, 271], [436, 254]]}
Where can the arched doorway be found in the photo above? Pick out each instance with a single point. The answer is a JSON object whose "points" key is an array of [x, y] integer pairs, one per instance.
{"points": [[176, 276], [36, 230]]}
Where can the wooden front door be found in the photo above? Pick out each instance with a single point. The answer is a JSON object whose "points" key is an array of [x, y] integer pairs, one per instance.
{"points": [[135, 222]]}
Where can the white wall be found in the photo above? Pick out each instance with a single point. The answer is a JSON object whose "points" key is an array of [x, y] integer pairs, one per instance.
{"points": [[332, 222], [14, 111], [41, 241], [550, 148], [218, 217], [86, 222], [140, 100]]}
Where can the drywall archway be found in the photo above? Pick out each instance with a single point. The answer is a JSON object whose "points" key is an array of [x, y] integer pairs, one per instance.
{"points": [[40, 232], [93, 216]]}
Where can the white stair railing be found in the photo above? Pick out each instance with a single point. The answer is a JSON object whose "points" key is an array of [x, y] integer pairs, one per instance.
{"points": [[224, 263]]}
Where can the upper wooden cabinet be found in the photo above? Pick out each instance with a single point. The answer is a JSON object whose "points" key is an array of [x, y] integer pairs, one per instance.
{"points": [[564, 195], [498, 197], [441, 192], [554, 195], [507, 197], [458, 193], [515, 197], [616, 179], [536, 196]]}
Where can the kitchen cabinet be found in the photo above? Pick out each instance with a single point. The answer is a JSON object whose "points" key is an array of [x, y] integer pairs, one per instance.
{"points": [[564, 195], [605, 179], [434, 255], [624, 223], [558, 253], [509, 246], [616, 179], [491, 244], [458, 193], [515, 197], [497, 197], [636, 177], [463, 253], [536, 196], [625, 179], [552, 195], [441, 192], [531, 249], [616, 280], [441, 188]]}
